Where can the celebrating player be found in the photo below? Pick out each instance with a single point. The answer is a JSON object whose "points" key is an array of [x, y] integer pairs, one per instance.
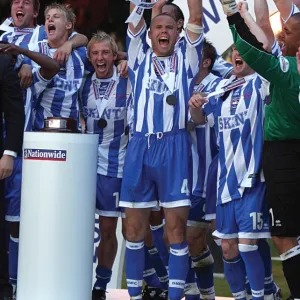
{"points": [[21, 29], [204, 149], [60, 99], [221, 68], [156, 164], [105, 97], [241, 212], [281, 134]]}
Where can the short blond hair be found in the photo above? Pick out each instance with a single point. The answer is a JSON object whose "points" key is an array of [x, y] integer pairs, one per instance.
{"points": [[102, 36], [66, 9]]}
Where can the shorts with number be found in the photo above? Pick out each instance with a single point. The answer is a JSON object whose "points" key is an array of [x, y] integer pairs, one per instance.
{"points": [[281, 165], [13, 192], [156, 171], [197, 213], [245, 218], [108, 193], [211, 190]]}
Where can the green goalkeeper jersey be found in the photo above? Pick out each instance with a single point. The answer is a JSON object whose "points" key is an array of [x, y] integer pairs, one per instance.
{"points": [[282, 114]]}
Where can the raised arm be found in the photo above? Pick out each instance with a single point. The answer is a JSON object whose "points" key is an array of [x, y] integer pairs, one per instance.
{"points": [[279, 71], [49, 67], [137, 29], [285, 8], [253, 26], [262, 15], [157, 8], [194, 26]]}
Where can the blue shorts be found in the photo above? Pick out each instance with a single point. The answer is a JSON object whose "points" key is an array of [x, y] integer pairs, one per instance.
{"points": [[13, 192], [211, 190], [108, 196], [156, 171], [246, 218], [197, 213]]}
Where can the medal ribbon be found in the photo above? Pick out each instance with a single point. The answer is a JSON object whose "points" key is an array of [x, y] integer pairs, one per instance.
{"points": [[199, 88], [6, 26], [227, 88], [168, 78], [101, 105]]}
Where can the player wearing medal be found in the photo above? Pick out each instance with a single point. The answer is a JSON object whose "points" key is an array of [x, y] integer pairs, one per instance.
{"points": [[60, 99], [281, 134], [242, 218], [24, 32], [104, 98], [156, 164], [221, 67], [24, 14], [204, 149]]}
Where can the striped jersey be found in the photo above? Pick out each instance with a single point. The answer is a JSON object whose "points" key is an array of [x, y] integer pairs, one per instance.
{"points": [[204, 146], [60, 98], [24, 37], [276, 50], [238, 119], [154, 78], [221, 67], [294, 10], [106, 100]]}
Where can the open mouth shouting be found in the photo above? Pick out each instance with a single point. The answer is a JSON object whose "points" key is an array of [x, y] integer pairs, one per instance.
{"points": [[101, 67], [164, 41], [239, 63], [51, 29], [20, 15]]}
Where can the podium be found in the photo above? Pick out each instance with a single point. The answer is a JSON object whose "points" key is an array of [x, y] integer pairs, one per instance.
{"points": [[57, 216]]}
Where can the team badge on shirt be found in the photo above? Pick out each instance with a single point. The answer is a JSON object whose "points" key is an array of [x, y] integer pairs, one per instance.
{"points": [[284, 64], [235, 99]]}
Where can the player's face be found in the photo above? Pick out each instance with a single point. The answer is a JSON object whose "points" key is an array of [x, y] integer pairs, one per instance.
{"points": [[240, 68], [163, 35], [171, 11], [290, 37], [102, 59], [57, 26], [23, 14]]}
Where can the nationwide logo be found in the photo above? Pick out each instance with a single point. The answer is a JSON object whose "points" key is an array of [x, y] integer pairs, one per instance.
{"points": [[44, 154]]}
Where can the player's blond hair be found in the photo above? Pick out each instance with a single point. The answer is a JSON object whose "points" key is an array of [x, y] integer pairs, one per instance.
{"points": [[102, 36], [66, 9]]}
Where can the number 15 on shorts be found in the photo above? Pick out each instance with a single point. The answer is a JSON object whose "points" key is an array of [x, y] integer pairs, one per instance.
{"points": [[257, 220]]}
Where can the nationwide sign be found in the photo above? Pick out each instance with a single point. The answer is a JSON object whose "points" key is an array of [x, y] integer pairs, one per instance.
{"points": [[45, 154], [215, 24]]}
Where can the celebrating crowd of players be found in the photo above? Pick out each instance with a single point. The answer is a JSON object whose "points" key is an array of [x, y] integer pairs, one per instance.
{"points": [[186, 141]]}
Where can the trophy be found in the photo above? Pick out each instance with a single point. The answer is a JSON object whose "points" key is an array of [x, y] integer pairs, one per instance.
{"points": [[65, 125]]}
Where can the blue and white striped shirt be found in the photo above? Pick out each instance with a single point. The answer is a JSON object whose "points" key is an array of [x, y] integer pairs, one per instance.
{"points": [[152, 113], [60, 99], [238, 120], [204, 146], [22, 38], [221, 67], [113, 138]]}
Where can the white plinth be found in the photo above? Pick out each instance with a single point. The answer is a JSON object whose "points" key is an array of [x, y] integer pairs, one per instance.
{"points": [[57, 216]]}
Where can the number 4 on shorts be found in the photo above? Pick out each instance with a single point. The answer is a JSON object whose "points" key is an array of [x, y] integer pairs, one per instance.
{"points": [[185, 187]]}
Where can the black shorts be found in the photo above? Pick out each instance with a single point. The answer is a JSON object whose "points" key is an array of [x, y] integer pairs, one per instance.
{"points": [[281, 166]]}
